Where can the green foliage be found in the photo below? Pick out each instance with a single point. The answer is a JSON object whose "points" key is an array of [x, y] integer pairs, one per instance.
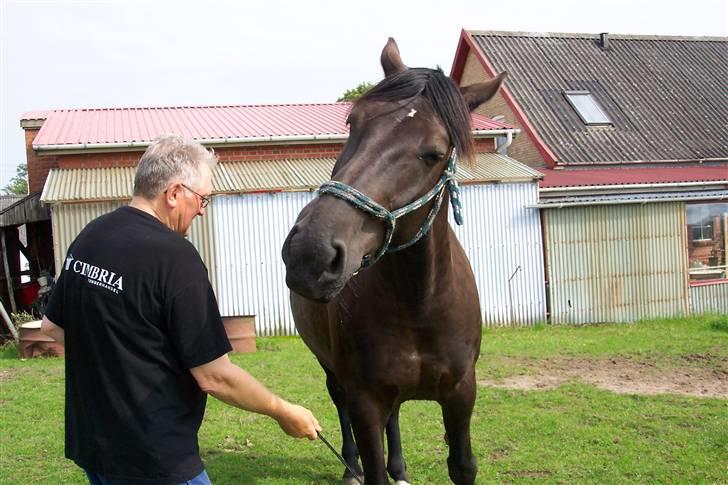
{"points": [[18, 185], [21, 317], [356, 93], [574, 433], [718, 322]]}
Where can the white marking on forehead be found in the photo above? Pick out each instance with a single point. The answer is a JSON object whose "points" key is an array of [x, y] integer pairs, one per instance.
{"points": [[412, 113]]}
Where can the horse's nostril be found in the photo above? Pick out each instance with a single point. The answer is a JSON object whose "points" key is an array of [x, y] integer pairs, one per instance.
{"points": [[338, 261]]}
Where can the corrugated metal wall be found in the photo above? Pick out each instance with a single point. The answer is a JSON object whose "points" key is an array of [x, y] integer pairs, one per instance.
{"points": [[616, 263], [249, 231], [499, 236], [709, 299], [503, 240], [67, 221]]}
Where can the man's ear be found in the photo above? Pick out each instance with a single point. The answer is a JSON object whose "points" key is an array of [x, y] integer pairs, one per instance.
{"points": [[172, 195]]}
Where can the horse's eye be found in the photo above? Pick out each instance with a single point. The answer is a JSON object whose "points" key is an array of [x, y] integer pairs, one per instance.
{"points": [[431, 156]]}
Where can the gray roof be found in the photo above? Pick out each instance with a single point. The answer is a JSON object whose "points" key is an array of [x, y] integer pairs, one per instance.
{"points": [[667, 96], [8, 200]]}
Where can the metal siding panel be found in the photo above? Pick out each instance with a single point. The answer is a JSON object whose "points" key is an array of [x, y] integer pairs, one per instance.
{"points": [[67, 221], [201, 237], [111, 183], [616, 263], [709, 299], [499, 235], [250, 276]]}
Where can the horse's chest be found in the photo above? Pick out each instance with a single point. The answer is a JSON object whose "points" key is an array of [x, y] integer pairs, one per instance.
{"points": [[414, 371]]}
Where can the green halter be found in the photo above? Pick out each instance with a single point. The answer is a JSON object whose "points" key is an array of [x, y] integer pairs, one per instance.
{"points": [[367, 204]]}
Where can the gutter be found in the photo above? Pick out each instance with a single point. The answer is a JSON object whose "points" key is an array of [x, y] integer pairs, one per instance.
{"points": [[210, 141], [602, 188], [560, 205], [562, 165], [254, 140]]}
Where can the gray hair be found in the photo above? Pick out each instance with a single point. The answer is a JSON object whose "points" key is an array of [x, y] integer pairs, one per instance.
{"points": [[171, 157]]}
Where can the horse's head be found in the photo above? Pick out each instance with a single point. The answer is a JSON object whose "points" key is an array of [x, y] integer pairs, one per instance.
{"points": [[401, 134]]}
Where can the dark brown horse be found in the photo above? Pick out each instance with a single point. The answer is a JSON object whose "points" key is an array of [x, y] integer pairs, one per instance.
{"points": [[390, 326]]}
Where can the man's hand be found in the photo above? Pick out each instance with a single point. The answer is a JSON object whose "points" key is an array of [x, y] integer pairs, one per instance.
{"points": [[233, 385], [297, 421]]}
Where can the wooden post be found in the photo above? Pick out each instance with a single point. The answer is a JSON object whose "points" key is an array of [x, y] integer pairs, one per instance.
{"points": [[8, 278], [8, 323]]}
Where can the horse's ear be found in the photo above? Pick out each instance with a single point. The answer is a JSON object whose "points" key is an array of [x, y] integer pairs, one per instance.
{"points": [[477, 94], [391, 61]]}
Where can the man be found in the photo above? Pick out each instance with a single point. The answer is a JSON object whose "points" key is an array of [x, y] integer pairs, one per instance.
{"points": [[144, 339]]}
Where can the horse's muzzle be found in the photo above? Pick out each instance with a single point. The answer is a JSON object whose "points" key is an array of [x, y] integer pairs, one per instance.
{"points": [[315, 268]]}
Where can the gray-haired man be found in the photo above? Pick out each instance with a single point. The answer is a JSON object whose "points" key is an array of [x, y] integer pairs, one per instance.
{"points": [[143, 334]]}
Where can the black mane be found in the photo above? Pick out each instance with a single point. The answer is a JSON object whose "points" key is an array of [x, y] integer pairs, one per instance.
{"points": [[442, 93]]}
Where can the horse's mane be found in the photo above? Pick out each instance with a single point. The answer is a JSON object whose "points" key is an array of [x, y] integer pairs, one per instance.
{"points": [[442, 93]]}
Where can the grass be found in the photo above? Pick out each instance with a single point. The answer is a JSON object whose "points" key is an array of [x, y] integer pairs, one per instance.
{"points": [[572, 434]]}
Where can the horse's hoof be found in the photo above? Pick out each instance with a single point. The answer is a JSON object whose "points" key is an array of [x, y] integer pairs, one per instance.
{"points": [[352, 481]]}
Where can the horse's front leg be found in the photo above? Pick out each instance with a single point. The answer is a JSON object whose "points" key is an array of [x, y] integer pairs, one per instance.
{"points": [[368, 418], [348, 447], [349, 450], [395, 460], [457, 409]]}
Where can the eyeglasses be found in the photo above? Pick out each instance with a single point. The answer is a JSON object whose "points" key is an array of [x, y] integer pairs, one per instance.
{"points": [[204, 201]]}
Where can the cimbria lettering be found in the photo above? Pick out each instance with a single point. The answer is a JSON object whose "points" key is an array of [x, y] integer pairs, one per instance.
{"points": [[96, 276]]}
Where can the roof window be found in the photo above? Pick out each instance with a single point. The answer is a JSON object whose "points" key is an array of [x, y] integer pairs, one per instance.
{"points": [[587, 107]]}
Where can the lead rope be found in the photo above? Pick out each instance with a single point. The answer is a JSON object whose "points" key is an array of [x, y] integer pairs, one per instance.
{"points": [[341, 458]]}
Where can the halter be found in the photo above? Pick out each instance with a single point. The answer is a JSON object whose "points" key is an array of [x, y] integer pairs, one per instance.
{"points": [[367, 204]]}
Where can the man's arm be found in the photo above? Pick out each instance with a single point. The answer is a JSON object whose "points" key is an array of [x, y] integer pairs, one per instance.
{"points": [[232, 385], [52, 330]]}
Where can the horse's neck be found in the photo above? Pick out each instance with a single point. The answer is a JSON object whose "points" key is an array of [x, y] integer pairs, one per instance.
{"points": [[426, 265]]}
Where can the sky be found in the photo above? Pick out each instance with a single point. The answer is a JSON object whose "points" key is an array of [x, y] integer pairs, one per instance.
{"points": [[97, 53]]}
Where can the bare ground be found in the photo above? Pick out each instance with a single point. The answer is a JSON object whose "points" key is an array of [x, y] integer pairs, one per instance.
{"points": [[701, 375]]}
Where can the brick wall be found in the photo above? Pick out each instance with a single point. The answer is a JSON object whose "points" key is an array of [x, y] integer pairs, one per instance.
{"points": [[38, 166], [274, 152], [523, 148]]}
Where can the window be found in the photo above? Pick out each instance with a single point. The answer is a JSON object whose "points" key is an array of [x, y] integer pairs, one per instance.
{"points": [[707, 240], [587, 107]]}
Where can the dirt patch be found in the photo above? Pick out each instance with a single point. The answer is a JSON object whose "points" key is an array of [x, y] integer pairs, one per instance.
{"points": [[622, 375], [6, 375]]}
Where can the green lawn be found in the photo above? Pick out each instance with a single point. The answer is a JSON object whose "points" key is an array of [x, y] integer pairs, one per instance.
{"points": [[574, 433]]}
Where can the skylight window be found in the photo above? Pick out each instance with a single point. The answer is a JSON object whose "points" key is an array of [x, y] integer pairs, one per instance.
{"points": [[587, 107]]}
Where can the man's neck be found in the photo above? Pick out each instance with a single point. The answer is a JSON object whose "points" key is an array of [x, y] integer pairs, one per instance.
{"points": [[151, 207]]}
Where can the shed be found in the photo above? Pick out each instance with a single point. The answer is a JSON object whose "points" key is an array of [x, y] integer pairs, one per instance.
{"points": [[269, 170], [256, 203]]}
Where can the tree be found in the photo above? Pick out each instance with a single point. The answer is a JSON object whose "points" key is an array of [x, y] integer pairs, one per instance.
{"points": [[18, 185], [357, 92]]}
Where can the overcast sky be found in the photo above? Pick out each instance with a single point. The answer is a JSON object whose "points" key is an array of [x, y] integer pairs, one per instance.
{"points": [[81, 54]]}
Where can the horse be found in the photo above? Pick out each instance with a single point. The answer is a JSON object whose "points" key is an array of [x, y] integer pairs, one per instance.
{"points": [[381, 290]]}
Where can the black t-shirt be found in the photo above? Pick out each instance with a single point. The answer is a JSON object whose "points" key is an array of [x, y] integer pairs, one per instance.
{"points": [[137, 311]]}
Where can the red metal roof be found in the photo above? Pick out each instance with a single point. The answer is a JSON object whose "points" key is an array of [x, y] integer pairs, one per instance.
{"points": [[632, 176], [35, 115], [126, 125]]}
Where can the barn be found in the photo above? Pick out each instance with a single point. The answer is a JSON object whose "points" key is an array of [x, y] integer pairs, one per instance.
{"points": [[630, 133], [272, 159]]}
